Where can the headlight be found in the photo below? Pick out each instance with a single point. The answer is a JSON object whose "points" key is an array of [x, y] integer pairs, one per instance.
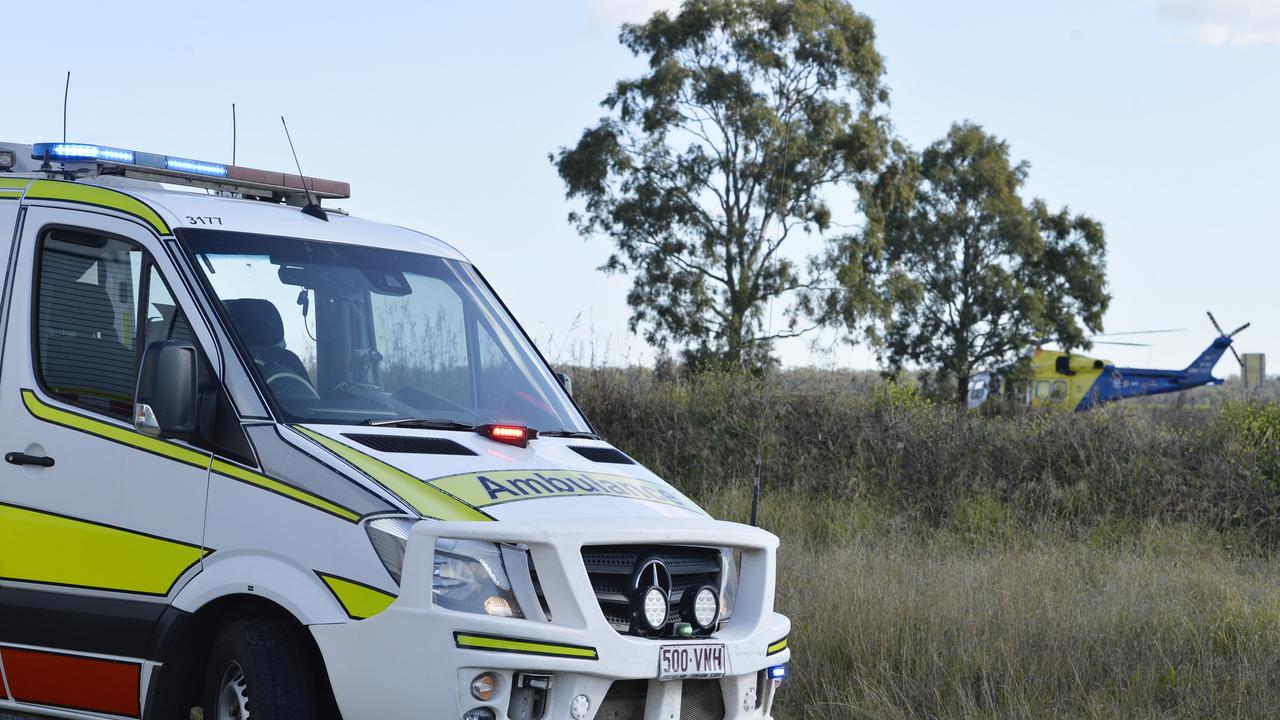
{"points": [[731, 566], [468, 575]]}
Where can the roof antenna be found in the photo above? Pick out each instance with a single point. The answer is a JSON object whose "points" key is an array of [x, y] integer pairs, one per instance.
{"points": [[66, 91], [233, 133], [311, 208]]}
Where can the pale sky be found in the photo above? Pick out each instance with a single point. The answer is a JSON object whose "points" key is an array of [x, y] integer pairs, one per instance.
{"points": [[1157, 117]]}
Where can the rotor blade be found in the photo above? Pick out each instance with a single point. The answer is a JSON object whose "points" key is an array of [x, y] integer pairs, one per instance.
{"points": [[1214, 320], [1140, 332], [1129, 344], [1233, 352], [1237, 330]]}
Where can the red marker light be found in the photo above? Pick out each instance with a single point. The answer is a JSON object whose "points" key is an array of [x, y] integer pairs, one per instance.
{"points": [[517, 435]]}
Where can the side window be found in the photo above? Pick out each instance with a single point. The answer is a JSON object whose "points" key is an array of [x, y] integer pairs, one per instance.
{"points": [[86, 312], [88, 323], [164, 321]]}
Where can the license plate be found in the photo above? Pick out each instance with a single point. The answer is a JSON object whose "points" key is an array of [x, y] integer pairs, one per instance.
{"points": [[684, 662]]}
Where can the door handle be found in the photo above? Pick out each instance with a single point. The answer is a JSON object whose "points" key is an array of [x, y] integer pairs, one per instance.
{"points": [[18, 458]]}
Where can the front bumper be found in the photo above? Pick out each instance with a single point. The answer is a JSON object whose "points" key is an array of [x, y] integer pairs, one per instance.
{"points": [[415, 661]]}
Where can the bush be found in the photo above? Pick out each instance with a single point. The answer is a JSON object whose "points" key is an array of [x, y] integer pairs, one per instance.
{"points": [[833, 436]]}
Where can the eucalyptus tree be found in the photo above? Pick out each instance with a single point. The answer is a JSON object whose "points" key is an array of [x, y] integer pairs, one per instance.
{"points": [[968, 273], [708, 163]]}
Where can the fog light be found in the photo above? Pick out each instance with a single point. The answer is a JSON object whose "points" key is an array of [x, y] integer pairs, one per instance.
{"points": [[483, 687], [654, 608], [579, 707], [480, 713], [702, 607]]}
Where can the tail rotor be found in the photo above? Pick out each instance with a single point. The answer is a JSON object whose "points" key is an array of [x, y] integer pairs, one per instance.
{"points": [[1228, 335]]}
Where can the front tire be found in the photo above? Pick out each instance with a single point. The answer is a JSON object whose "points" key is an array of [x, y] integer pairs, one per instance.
{"points": [[260, 670]]}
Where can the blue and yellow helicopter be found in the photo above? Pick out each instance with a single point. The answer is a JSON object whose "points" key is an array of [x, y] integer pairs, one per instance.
{"points": [[1083, 383]]}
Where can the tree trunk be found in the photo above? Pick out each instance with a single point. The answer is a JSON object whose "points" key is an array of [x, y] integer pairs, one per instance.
{"points": [[962, 390]]}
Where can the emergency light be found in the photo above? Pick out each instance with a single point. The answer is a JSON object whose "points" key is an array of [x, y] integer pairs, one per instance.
{"points": [[517, 435], [167, 168]]}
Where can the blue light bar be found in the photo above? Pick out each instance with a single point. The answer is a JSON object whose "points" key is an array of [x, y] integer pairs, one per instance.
{"points": [[777, 672], [76, 152], [178, 170], [80, 152], [195, 166]]}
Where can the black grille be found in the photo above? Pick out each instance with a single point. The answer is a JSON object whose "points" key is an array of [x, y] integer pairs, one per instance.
{"points": [[411, 444], [603, 454], [611, 568], [624, 701], [701, 700]]}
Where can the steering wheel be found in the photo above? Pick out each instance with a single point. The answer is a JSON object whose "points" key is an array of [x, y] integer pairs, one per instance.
{"points": [[287, 382]]}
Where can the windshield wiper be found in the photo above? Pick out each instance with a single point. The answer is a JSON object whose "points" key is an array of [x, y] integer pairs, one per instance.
{"points": [[420, 424], [568, 434]]}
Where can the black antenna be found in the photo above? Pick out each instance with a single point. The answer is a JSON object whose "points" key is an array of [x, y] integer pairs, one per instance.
{"points": [[311, 208], [233, 133], [66, 91]]}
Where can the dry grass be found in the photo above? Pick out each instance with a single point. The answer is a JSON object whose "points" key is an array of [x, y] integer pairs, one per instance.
{"points": [[1112, 565], [988, 621]]}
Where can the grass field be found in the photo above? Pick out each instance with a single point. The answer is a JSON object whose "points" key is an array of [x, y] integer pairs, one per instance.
{"points": [[1114, 565]]}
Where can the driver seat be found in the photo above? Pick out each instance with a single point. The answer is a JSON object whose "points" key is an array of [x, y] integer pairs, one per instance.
{"points": [[260, 327]]}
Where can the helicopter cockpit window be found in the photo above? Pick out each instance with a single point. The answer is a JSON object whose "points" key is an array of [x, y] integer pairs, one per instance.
{"points": [[1059, 391], [1063, 365]]}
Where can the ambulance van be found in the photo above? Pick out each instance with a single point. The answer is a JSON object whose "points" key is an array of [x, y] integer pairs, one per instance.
{"points": [[265, 460]]}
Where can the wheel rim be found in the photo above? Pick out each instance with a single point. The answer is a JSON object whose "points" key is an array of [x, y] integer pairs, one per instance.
{"points": [[233, 695]]}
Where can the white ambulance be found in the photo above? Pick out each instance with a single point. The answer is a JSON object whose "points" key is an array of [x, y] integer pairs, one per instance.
{"points": [[264, 460]]}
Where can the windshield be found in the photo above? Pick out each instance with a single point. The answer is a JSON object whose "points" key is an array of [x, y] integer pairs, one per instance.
{"points": [[350, 334]]}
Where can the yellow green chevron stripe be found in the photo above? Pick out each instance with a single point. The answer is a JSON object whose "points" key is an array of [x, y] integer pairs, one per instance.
{"points": [[14, 183], [358, 600], [124, 436], [100, 196], [424, 498], [777, 647], [106, 430], [44, 548], [471, 641]]}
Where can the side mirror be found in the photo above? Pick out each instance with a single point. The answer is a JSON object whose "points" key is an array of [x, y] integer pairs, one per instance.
{"points": [[566, 382], [167, 401]]}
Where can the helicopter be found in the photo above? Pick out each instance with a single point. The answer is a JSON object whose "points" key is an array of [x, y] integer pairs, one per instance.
{"points": [[1082, 382]]}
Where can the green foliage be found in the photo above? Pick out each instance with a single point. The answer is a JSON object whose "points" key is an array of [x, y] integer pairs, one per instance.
{"points": [[706, 165], [831, 436], [971, 276], [1255, 427]]}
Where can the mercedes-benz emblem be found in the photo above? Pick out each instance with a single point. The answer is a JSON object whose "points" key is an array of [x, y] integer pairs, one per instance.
{"points": [[651, 573]]}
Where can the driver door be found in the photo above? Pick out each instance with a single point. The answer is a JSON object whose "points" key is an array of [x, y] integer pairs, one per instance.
{"points": [[100, 526]]}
